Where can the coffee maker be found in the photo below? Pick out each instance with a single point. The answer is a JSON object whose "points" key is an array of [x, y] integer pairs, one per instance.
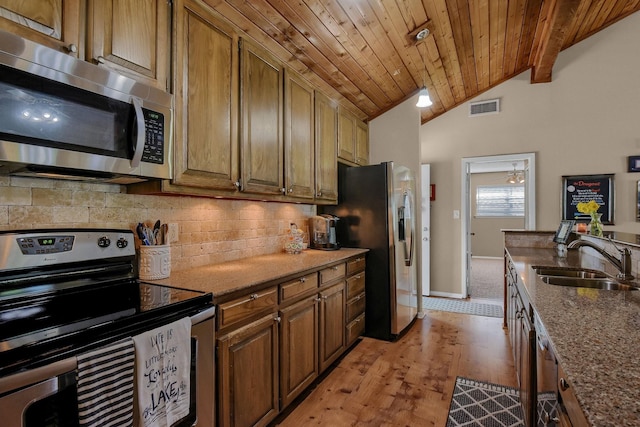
{"points": [[322, 232]]}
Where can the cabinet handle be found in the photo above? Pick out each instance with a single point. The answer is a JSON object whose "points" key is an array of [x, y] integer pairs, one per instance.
{"points": [[303, 279], [358, 277], [318, 299], [325, 297], [359, 259], [334, 268], [237, 184], [283, 190], [564, 385], [519, 315], [277, 319], [319, 194], [72, 48], [253, 297], [100, 59], [290, 190]]}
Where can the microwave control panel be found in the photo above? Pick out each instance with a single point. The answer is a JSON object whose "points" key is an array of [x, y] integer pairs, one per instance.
{"points": [[154, 140]]}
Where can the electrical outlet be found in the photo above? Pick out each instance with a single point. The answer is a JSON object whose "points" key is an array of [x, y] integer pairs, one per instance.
{"points": [[172, 233]]}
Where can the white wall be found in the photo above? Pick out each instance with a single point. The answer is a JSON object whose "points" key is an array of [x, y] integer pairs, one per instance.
{"points": [[586, 121], [395, 136]]}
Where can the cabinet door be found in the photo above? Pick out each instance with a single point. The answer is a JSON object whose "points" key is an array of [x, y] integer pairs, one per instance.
{"points": [[132, 37], [346, 135], [326, 148], [362, 143], [261, 97], [527, 370], [298, 137], [206, 146], [332, 324], [298, 348], [54, 23], [248, 374]]}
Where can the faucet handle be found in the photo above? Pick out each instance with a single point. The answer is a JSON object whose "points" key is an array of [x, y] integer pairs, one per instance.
{"points": [[625, 250]]}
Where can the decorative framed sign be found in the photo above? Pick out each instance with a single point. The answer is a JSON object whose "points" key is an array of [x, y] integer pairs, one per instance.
{"points": [[584, 188], [634, 164], [564, 231]]}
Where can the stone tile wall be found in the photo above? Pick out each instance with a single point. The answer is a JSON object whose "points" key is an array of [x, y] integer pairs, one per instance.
{"points": [[211, 231]]}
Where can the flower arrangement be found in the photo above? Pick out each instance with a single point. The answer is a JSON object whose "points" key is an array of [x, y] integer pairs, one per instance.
{"points": [[591, 208]]}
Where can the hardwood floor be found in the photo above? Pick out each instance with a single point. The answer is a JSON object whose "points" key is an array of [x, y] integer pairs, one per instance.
{"points": [[408, 382]]}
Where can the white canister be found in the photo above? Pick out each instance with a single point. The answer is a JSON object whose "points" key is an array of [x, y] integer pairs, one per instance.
{"points": [[154, 262]]}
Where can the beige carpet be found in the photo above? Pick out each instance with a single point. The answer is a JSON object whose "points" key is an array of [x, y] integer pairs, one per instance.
{"points": [[487, 279]]}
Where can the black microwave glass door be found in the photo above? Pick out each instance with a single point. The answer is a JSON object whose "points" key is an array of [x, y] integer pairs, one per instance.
{"points": [[35, 110]]}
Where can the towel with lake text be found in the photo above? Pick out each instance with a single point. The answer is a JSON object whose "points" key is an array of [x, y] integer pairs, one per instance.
{"points": [[163, 364]]}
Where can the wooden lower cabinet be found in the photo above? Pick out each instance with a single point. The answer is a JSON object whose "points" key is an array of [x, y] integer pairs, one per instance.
{"points": [[275, 342], [298, 348], [248, 374], [332, 324]]}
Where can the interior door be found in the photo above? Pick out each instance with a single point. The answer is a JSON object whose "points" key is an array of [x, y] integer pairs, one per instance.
{"points": [[425, 184]]}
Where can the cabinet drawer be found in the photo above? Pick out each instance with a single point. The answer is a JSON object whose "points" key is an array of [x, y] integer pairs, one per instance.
{"points": [[332, 273], [355, 265], [246, 306], [355, 307], [355, 285], [298, 287], [355, 329]]}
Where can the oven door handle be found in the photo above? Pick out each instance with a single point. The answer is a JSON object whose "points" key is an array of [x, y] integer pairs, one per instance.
{"points": [[14, 405], [203, 315]]}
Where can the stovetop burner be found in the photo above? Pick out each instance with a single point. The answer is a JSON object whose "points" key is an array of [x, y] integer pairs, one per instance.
{"points": [[62, 291]]}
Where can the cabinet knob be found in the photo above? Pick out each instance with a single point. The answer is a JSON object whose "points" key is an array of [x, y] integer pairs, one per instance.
{"points": [[100, 59], [564, 385], [303, 279], [358, 277], [290, 190], [237, 184], [283, 190], [325, 297], [319, 194], [253, 297], [318, 299], [334, 268], [277, 319], [72, 48]]}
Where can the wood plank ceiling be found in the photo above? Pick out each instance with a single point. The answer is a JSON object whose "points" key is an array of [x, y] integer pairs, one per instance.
{"points": [[367, 51]]}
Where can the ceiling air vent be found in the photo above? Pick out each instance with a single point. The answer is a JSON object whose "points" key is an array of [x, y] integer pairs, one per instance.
{"points": [[480, 108]]}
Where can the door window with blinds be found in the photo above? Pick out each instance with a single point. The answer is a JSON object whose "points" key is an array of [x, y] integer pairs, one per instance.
{"points": [[499, 201]]}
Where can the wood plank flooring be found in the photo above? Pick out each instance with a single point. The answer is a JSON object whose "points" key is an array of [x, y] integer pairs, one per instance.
{"points": [[408, 382]]}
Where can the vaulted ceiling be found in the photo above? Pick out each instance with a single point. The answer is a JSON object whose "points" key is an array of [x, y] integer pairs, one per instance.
{"points": [[367, 50]]}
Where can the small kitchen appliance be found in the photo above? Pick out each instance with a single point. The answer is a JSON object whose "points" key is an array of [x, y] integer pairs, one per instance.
{"points": [[322, 232]]}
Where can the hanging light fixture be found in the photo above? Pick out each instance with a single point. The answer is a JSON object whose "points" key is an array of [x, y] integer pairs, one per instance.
{"points": [[423, 97], [515, 176]]}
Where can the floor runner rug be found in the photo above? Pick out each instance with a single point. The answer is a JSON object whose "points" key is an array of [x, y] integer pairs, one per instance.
{"points": [[479, 404], [461, 306]]}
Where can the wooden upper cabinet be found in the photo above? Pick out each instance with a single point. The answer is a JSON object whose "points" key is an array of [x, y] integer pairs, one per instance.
{"points": [[132, 37], [299, 137], [206, 126], [326, 173], [362, 143], [353, 139], [53, 23], [261, 125]]}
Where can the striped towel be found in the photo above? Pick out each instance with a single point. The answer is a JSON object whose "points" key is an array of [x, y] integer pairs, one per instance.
{"points": [[105, 386]]}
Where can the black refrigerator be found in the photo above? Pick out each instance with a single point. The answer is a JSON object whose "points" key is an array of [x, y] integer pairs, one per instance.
{"points": [[376, 211]]}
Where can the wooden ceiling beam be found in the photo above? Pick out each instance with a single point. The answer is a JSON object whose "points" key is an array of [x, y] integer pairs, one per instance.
{"points": [[559, 19]]}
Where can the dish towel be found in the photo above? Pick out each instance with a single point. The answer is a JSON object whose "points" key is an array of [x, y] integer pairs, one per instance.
{"points": [[162, 371], [105, 386]]}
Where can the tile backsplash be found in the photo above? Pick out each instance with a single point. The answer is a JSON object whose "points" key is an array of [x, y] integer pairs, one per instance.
{"points": [[211, 231]]}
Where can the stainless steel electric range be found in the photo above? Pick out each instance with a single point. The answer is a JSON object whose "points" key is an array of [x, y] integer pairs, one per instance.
{"points": [[65, 292]]}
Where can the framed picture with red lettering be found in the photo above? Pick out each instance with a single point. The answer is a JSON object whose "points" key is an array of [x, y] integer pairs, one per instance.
{"points": [[583, 193]]}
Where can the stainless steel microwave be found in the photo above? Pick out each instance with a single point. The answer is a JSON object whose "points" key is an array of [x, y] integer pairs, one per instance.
{"points": [[61, 117]]}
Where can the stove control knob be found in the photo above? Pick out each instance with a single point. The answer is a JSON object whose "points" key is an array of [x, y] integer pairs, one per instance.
{"points": [[104, 242], [122, 243]]}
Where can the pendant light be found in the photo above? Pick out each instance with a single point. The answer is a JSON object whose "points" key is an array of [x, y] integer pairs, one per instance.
{"points": [[423, 97], [516, 176]]}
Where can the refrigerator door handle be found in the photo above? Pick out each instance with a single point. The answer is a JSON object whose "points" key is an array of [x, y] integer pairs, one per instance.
{"points": [[406, 229]]}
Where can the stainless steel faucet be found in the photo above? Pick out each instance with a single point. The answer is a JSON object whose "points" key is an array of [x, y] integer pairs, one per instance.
{"points": [[623, 264]]}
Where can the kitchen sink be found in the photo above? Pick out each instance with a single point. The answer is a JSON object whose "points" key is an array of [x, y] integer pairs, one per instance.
{"points": [[581, 273], [588, 282]]}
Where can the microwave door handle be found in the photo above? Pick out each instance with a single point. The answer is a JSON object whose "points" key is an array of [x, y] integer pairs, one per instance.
{"points": [[141, 134]]}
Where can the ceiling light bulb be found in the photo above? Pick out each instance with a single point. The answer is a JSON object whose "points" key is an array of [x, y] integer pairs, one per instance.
{"points": [[423, 98]]}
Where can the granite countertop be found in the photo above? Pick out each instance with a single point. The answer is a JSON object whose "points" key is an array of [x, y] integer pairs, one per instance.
{"points": [[246, 274], [596, 335]]}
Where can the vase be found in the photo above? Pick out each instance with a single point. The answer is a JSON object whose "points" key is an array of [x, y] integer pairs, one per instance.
{"points": [[595, 225]]}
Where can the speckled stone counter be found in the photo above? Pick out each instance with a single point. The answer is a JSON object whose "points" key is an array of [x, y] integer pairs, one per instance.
{"points": [[596, 335], [249, 274]]}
